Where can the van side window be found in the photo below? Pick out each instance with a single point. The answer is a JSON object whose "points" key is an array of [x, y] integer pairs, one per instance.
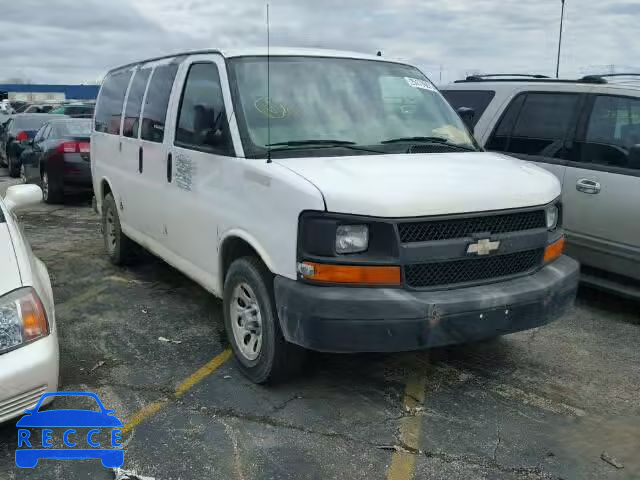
{"points": [[154, 115], [134, 103], [614, 127], [202, 119], [542, 125], [479, 100], [109, 107]]}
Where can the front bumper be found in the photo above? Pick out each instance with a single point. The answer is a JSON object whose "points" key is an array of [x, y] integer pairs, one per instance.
{"points": [[358, 319], [25, 374]]}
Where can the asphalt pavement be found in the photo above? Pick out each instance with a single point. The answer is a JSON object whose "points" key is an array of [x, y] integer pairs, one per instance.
{"points": [[547, 403]]}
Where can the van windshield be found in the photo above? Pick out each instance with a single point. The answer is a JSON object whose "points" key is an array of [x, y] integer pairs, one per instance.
{"points": [[377, 105]]}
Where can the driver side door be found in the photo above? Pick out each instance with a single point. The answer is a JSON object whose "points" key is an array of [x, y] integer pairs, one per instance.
{"points": [[601, 190]]}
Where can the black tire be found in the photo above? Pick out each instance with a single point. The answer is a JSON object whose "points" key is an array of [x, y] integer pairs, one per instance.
{"points": [[14, 169], [120, 248], [277, 360], [52, 191]]}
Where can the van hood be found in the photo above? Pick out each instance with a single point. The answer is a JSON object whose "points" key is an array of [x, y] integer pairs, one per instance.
{"points": [[412, 185], [10, 277]]}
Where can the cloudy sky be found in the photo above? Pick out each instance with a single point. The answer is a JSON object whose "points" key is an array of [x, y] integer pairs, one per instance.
{"points": [[76, 41]]}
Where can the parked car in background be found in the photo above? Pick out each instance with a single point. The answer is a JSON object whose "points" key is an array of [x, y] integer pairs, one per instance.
{"points": [[19, 106], [586, 132], [40, 107], [17, 135], [59, 158], [5, 107], [12, 106], [349, 211], [28, 339], [81, 110]]}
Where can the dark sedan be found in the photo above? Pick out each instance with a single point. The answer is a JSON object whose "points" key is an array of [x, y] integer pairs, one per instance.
{"points": [[59, 158], [17, 135]]}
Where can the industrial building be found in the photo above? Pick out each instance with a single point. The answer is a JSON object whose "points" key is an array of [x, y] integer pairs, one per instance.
{"points": [[45, 93]]}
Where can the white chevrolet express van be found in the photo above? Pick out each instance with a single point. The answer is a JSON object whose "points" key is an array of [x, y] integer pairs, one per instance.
{"points": [[334, 201]]}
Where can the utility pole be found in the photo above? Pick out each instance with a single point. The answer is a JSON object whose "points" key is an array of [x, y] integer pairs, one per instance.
{"points": [[560, 41]]}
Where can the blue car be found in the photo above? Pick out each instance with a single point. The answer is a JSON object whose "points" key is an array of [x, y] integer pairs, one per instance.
{"points": [[31, 450]]}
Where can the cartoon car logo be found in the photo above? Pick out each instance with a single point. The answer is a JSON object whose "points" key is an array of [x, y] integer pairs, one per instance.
{"points": [[81, 445]]}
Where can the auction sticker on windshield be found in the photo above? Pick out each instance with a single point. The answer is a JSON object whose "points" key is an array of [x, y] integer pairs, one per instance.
{"points": [[418, 83], [69, 433]]}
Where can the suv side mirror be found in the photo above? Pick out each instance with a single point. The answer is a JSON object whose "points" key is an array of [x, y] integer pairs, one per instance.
{"points": [[20, 196], [633, 159], [467, 115]]}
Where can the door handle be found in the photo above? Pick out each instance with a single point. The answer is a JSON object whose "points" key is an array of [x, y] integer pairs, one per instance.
{"points": [[169, 167], [140, 160], [585, 185]]}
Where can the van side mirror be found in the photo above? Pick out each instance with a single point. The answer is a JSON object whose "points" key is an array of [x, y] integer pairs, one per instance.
{"points": [[467, 115], [633, 159]]}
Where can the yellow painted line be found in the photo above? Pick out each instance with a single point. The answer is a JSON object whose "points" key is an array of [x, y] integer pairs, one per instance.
{"points": [[153, 408], [84, 297], [403, 463], [116, 278], [141, 415], [202, 372]]}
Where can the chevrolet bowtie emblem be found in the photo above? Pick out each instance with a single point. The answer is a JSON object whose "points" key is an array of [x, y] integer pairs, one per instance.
{"points": [[483, 247]]}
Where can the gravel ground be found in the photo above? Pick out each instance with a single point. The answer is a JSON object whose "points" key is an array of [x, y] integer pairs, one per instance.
{"points": [[539, 404]]}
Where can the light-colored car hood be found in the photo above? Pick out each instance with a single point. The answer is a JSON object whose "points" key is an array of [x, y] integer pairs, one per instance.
{"points": [[9, 271], [408, 185]]}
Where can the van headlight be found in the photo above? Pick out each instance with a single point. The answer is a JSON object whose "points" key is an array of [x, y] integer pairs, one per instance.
{"points": [[352, 238], [22, 319], [552, 214]]}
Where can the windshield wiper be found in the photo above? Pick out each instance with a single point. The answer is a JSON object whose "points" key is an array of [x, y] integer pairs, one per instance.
{"points": [[441, 140], [416, 139], [304, 143], [320, 143]]}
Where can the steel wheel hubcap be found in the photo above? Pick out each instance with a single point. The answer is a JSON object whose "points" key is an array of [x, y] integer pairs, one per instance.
{"points": [[246, 321], [110, 231]]}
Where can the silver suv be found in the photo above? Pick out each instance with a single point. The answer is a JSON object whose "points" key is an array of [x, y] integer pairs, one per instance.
{"points": [[587, 132]]}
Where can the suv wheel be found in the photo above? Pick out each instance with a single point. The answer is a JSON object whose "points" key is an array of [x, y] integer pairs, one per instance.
{"points": [[252, 324], [120, 248]]}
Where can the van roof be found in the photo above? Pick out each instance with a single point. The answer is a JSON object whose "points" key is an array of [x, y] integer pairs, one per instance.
{"points": [[273, 52]]}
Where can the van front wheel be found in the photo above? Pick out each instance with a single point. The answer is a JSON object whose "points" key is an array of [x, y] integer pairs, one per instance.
{"points": [[252, 325], [120, 248]]}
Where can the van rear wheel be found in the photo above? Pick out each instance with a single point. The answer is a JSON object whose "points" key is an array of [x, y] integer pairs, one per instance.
{"points": [[252, 324], [120, 248]]}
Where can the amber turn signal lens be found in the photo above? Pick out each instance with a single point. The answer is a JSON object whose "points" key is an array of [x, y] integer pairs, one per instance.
{"points": [[352, 274], [34, 319], [554, 250]]}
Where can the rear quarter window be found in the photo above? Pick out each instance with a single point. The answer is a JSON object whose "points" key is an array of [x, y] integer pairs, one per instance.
{"points": [[110, 102], [479, 100]]}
